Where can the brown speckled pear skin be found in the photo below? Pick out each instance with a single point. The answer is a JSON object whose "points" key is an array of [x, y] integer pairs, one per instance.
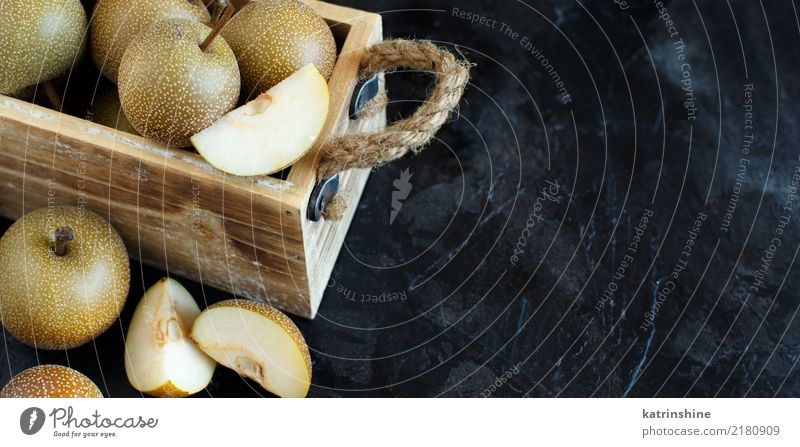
{"points": [[167, 390], [50, 381], [116, 22], [274, 315], [60, 302], [107, 110], [273, 39], [31, 53], [169, 88]]}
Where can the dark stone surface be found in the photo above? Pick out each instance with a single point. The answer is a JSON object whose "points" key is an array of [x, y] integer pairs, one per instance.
{"points": [[473, 320]]}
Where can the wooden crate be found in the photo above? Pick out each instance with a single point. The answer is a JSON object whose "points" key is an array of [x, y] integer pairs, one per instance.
{"points": [[247, 236]]}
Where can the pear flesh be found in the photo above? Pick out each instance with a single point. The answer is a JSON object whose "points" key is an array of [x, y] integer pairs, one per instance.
{"points": [[39, 40], [257, 341], [272, 131], [160, 358], [116, 22]]}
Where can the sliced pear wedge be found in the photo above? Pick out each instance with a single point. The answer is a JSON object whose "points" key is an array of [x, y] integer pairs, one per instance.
{"points": [[160, 358], [270, 132], [257, 341]]}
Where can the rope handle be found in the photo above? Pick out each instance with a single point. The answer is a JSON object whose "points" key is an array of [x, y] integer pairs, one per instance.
{"points": [[412, 134]]}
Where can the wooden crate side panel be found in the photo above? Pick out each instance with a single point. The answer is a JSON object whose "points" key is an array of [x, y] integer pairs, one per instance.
{"points": [[208, 231], [120, 143], [142, 181], [324, 239], [200, 253]]}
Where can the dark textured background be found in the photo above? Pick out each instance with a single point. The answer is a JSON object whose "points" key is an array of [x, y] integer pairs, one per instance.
{"points": [[470, 317]]}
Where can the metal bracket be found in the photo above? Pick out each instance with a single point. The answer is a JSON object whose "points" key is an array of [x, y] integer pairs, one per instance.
{"points": [[327, 189], [323, 193], [366, 93]]}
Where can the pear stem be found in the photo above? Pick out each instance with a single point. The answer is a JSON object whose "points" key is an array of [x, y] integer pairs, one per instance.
{"points": [[52, 96], [63, 235], [217, 9], [219, 23]]}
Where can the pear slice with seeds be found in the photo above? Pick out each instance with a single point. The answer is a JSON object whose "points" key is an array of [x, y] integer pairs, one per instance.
{"points": [[257, 341], [160, 358]]}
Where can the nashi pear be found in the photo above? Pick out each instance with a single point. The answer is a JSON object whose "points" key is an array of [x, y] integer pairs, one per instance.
{"points": [[107, 110], [64, 277], [169, 88], [116, 22], [274, 38], [50, 381], [39, 40]]}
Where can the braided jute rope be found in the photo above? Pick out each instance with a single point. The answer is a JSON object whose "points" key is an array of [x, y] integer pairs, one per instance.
{"points": [[412, 134]]}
